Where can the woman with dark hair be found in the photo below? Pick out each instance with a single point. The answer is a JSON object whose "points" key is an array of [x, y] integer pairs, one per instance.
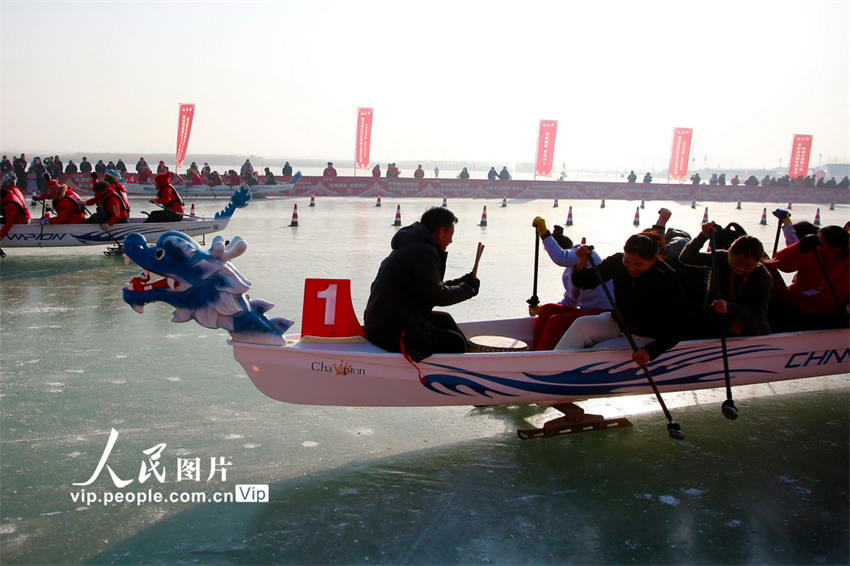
{"points": [[647, 294], [818, 295], [741, 284]]}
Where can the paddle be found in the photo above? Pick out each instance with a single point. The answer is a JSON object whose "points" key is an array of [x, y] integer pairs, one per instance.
{"points": [[477, 259], [43, 209], [778, 230], [533, 301], [673, 429], [728, 408], [104, 228]]}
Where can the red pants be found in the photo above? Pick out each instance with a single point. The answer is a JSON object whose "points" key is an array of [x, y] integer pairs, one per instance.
{"points": [[553, 321]]}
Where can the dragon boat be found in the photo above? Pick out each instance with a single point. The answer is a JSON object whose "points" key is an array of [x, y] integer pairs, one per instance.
{"points": [[331, 363], [217, 191], [54, 235]]}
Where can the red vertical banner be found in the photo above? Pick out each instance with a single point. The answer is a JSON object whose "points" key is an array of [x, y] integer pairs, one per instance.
{"points": [[681, 153], [364, 138], [801, 150], [546, 147], [184, 128]]}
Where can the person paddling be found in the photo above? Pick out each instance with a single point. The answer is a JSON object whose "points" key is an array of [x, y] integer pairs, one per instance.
{"points": [[12, 204], [647, 293], [66, 204], [112, 208], [169, 198]]}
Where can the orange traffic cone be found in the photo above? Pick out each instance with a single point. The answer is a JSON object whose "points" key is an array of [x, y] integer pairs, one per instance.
{"points": [[192, 210], [642, 203], [637, 216], [378, 202], [569, 221], [763, 220], [294, 221], [739, 205], [817, 217], [832, 206], [483, 217], [555, 204], [789, 206], [504, 202], [693, 204], [705, 216], [444, 205], [312, 200], [603, 204], [397, 221]]}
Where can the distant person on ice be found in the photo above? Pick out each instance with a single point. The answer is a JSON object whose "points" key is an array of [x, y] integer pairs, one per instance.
{"points": [[329, 170], [492, 175], [419, 173], [399, 314], [632, 177], [504, 175], [464, 174]]}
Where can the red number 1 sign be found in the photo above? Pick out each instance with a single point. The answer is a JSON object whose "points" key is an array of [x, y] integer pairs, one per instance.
{"points": [[328, 312]]}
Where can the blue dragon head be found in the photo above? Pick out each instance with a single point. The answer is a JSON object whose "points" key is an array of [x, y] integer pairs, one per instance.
{"points": [[238, 199], [200, 285]]}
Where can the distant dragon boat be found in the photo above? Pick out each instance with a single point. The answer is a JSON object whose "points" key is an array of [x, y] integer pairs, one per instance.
{"points": [[332, 364], [34, 235]]}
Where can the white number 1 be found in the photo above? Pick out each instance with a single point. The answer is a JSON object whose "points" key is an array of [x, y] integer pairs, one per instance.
{"points": [[329, 295]]}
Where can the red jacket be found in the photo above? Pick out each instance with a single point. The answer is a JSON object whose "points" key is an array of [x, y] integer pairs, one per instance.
{"points": [[329, 172], [14, 209], [168, 197], [115, 205], [809, 291], [69, 209]]}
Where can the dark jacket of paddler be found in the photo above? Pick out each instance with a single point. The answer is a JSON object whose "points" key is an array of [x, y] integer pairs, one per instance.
{"points": [[651, 304], [409, 284]]}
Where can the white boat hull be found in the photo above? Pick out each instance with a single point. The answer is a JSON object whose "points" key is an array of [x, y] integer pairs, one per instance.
{"points": [[364, 375], [55, 235]]}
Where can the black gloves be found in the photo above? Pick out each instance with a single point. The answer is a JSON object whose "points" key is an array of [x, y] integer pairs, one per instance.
{"points": [[472, 282]]}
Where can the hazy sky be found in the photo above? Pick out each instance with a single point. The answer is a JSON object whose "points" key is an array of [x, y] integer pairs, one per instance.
{"points": [[448, 80]]}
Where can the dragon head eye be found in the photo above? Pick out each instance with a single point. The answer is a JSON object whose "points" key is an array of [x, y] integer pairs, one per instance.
{"points": [[159, 254]]}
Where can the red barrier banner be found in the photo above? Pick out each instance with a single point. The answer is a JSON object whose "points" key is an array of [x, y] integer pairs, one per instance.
{"points": [[546, 147], [184, 128], [681, 153], [801, 150], [364, 138]]}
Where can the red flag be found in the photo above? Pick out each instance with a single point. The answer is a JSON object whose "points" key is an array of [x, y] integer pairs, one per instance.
{"points": [[546, 147], [184, 128], [681, 152], [798, 165], [364, 138]]}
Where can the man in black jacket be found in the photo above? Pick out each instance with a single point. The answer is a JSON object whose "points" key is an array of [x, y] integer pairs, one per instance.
{"points": [[409, 284]]}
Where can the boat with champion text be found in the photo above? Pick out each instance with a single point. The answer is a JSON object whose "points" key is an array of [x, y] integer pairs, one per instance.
{"points": [[330, 363], [34, 234]]}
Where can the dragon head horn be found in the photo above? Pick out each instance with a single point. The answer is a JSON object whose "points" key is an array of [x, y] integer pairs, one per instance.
{"points": [[234, 248]]}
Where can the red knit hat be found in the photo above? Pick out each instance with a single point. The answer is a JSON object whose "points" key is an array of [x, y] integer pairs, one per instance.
{"points": [[53, 188], [163, 179]]}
